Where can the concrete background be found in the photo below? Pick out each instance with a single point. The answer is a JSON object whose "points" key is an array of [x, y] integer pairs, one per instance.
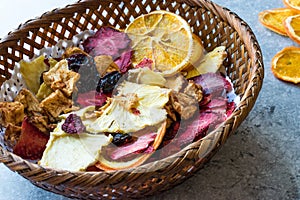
{"points": [[261, 160]]}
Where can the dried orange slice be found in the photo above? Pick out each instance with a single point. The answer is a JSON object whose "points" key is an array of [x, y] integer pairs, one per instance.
{"points": [[285, 64], [273, 19], [292, 26], [164, 37], [198, 50], [294, 4]]}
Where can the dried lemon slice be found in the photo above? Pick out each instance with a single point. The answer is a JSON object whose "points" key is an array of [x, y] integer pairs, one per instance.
{"points": [[164, 37], [285, 64], [294, 4], [273, 19], [292, 26]]}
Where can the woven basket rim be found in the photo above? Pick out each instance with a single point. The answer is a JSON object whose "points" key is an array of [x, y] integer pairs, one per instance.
{"points": [[244, 31]]}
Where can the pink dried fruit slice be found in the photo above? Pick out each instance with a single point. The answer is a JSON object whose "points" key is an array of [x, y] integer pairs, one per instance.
{"points": [[92, 98], [124, 61], [197, 128], [107, 41], [216, 105], [140, 145], [213, 83], [32, 142], [230, 108]]}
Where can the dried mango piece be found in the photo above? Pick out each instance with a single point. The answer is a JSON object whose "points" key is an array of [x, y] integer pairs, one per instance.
{"points": [[31, 72], [273, 19], [285, 64]]}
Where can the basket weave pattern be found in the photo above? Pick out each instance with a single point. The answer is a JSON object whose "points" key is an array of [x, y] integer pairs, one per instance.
{"points": [[215, 25]]}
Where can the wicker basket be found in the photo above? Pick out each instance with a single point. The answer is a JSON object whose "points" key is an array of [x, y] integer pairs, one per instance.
{"points": [[214, 24]]}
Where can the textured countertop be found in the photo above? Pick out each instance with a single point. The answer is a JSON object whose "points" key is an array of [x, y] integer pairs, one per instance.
{"points": [[261, 160]]}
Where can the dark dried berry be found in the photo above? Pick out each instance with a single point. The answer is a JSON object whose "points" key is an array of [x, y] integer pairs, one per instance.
{"points": [[120, 139], [85, 66], [75, 61], [108, 82], [73, 125]]}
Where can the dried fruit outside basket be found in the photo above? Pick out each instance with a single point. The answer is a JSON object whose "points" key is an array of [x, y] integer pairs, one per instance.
{"points": [[215, 25]]}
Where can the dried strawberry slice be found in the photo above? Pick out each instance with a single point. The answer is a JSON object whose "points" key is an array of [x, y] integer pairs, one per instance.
{"points": [[107, 41], [32, 142]]}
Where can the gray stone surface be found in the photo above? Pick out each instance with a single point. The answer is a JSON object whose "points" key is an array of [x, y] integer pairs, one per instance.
{"points": [[261, 160]]}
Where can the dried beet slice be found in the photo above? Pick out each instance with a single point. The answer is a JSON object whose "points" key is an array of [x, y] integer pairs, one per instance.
{"points": [[107, 41]]}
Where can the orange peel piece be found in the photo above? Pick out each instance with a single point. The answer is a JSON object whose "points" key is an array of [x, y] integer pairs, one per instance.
{"points": [[274, 19], [285, 64]]}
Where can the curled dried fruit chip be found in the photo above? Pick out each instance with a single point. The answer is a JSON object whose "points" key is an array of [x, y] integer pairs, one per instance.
{"points": [[285, 64], [273, 19], [292, 27]]}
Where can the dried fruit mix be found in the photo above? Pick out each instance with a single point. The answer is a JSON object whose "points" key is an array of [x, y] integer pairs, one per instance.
{"points": [[115, 106]]}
